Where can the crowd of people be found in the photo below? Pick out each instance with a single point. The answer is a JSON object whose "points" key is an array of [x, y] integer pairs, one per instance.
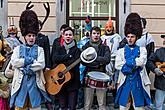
{"points": [[102, 63]]}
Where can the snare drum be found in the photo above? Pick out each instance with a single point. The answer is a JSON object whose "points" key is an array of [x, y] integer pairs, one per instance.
{"points": [[97, 80]]}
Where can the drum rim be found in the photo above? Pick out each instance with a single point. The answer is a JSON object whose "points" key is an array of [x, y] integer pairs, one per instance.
{"points": [[104, 80], [97, 87]]}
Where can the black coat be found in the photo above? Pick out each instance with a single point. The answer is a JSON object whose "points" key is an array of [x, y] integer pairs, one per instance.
{"points": [[59, 56], [56, 44], [43, 41], [158, 56]]}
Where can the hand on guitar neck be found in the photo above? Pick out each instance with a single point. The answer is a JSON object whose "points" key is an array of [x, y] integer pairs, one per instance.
{"points": [[161, 66]]}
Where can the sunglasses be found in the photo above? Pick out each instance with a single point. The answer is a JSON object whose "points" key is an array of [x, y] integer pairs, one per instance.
{"points": [[12, 33]]}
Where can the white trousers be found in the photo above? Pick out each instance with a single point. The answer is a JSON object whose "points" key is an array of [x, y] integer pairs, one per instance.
{"points": [[89, 95]]}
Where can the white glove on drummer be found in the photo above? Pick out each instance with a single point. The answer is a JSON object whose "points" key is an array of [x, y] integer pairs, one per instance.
{"points": [[158, 71]]}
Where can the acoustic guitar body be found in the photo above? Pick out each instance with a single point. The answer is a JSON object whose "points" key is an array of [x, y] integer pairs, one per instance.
{"points": [[53, 82]]}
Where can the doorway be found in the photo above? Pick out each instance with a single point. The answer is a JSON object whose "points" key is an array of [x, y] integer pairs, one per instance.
{"points": [[98, 10]]}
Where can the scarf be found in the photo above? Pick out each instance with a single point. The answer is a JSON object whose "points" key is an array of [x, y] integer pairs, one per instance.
{"points": [[95, 44], [109, 34], [68, 46]]}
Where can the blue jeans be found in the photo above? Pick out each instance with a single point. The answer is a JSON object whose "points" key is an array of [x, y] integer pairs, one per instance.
{"points": [[159, 99]]}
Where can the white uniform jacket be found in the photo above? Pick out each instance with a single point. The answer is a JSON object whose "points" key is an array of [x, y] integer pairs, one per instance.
{"points": [[37, 67], [140, 61]]}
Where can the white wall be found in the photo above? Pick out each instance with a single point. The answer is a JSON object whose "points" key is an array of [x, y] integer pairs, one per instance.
{"points": [[15, 8], [153, 11], [3, 16], [122, 15]]}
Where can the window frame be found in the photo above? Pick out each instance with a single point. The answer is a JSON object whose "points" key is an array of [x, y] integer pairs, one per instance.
{"points": [[68, 18]]}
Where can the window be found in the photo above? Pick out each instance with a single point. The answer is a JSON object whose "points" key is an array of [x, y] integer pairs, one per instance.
{"points": [[98, 10]]}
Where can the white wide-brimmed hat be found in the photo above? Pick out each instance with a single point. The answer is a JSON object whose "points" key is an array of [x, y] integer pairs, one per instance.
{"points": [[88, 55]]}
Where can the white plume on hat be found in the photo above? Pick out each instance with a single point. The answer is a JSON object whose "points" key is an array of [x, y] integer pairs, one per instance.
{"points": [[88, 55]]}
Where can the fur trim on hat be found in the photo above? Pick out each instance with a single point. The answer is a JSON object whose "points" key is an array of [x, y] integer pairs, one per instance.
{"points": [[133, 25], [29, 22]]}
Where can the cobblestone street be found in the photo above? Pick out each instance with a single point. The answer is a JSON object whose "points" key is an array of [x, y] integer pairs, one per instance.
{"points": [[110, 105]]}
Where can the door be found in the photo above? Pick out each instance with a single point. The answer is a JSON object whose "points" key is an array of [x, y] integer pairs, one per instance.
{"points": [[98, 10]]}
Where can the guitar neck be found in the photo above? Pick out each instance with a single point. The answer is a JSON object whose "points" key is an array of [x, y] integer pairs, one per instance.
{"points": [[71, 66]]}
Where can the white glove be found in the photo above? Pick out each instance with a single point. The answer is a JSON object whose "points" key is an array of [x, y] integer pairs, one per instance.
{"points": [[158, 71]]}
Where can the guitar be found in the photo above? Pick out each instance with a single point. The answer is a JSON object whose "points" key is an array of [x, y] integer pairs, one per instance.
{"points": [[57, 77]]}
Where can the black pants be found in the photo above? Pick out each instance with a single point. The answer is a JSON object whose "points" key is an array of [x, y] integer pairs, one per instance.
{"points": [[68, 100], [80, 100]]}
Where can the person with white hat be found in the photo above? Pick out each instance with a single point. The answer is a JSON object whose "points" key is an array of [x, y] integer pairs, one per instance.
{"points": [[95, 60]]}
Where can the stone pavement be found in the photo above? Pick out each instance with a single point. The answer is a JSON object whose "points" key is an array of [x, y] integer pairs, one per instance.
{"points": [[109, 106]]}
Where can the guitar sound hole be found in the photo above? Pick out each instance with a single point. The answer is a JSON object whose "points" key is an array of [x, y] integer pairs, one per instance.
{"points": [[60, 81], [60, 74]]}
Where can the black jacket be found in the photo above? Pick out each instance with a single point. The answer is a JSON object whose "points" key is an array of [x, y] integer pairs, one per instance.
{"points": [[43, 41], [103, 58], [59, 56], [158, 56], [56, 44]]}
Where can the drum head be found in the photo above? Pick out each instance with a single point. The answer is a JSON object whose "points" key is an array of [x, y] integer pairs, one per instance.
{"points": [[100, 76]]}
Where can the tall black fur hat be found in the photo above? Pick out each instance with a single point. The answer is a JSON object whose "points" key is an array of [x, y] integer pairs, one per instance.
{"points": [[28, 22], [133, 25]]}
